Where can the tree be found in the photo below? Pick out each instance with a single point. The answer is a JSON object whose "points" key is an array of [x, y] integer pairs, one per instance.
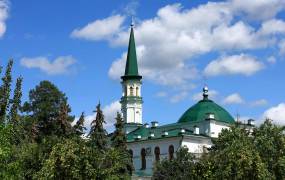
{"points": [[119, 138], [16, 103], [232, 156], [45, 106], [235, 157], [113, 165], [79, 126], [97, 134], [69, 160], [5, 90], [181, 167], [269, 140], [63, 121]]}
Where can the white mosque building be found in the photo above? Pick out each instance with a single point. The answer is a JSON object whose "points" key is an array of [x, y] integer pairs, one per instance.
{"points": [[150, 143]]}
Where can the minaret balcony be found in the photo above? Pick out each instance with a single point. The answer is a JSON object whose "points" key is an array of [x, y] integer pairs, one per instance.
{"points": [[131, 99]]}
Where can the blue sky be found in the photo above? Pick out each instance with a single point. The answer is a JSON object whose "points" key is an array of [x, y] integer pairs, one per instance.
{"points": [[236, 47]]}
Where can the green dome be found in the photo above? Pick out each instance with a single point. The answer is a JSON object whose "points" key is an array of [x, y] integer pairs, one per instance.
{"points": [[200, 111]]}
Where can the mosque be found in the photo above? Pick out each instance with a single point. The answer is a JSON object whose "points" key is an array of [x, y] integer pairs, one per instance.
{"points": [[149, 143]]}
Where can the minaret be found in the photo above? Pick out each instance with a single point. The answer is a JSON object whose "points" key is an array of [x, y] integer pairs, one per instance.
{"points": [[131, 100]]}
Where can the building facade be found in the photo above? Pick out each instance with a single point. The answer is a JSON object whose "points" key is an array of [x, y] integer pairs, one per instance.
{"points": [[149, 143]]}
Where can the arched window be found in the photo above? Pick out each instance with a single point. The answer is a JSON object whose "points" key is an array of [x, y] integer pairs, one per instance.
{"points": [[131, 91], [137, 91], [143, 154], [131, 154], [171, 152], [157, 153]]}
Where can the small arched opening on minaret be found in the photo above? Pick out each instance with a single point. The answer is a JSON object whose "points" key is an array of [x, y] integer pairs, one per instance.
{"points": [[137, 91], [131, 91]]}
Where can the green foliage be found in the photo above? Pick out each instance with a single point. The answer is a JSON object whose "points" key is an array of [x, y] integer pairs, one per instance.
{"points": [[269, 140], [97, 134], [115, 164], [46, 107], [235, 157], [69, 160], [235, 154], [79, 126], [180, 168], [16, 103], [9, 168], [5, 90], [119, 139]]}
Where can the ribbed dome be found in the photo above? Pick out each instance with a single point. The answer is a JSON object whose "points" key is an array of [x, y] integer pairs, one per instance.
{"points": [[200, 111]]}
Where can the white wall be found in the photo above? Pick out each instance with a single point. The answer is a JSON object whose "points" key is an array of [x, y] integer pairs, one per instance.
{"points": [[163, 144], [195, 145]]}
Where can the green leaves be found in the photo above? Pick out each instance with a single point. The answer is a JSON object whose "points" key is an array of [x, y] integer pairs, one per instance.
{"points": [[236, 154], [97, 134]]}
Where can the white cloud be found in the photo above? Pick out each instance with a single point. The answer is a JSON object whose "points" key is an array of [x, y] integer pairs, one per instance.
{"points": [[199, 96], [178, 97], [272, 26], [60, 65], [161, 94], [271, 60], [234, 98], [258, 9], [100, 29], [167, 43], [260, 102], [164, 73], [236, 64], [276, 113], [281, 46], [3, 16], [110, 113]]}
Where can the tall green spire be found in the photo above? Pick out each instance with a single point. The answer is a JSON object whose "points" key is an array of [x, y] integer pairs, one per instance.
{"points": [[131, 70]]}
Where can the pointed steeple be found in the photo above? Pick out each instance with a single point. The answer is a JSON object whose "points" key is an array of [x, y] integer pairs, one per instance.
{"points": [[131, 70]]}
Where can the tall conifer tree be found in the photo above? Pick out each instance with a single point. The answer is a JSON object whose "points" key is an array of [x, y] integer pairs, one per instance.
{"points": [[16, 102], [5, 90], [97, 134], [79, 126], [119, 137], [63, 120]]}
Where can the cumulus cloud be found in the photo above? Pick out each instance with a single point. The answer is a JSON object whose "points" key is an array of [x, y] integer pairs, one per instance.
{"points": [[271, 60], [161, 94], [272, 26], [258, 9], [259, 102], [3, 16], [167, 43], [236, 64], [60, 65], [109, 111], [276, 113], [234, 98], [100, 29], [281, 46], [178, 97]]}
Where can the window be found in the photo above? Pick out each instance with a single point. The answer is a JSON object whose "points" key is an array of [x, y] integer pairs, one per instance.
{"points": [[137, 91], [171, 152], [143, 154], [131, 154], [131, 91], [157, 153]]}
